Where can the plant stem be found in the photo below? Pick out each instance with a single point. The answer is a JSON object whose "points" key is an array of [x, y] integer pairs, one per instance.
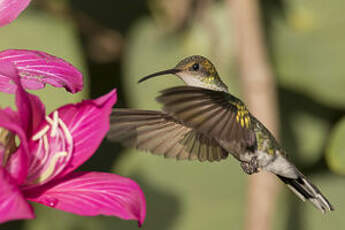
{"points": [[261, 97]]}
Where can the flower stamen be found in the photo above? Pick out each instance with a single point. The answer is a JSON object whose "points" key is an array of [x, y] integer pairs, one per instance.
{"points": [[45, 143], [67, 133], [50, 170], [53, 152], [55, 123], [40, 133], [49, 120]]}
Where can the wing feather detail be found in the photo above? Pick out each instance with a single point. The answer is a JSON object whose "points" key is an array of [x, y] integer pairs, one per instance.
{"points": [[160, 134], [213, 113]]}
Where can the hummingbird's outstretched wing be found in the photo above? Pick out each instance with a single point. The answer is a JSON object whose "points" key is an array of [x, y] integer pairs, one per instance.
{"points": [[161, 134], [213, 113]]}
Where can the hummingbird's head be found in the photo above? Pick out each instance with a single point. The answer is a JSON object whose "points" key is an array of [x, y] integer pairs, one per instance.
{"points": [[195, 71]]}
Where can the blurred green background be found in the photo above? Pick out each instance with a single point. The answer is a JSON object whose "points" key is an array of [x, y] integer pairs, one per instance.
{"points": [[114, 43]]}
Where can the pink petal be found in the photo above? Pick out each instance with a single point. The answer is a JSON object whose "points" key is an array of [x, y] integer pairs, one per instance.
{"points": [[91, 193], [30, 114], [10, 9], [8, 70], [68, 138], [17, 164], [37, 68], [30, 108], [88, 122], [12, 203]]}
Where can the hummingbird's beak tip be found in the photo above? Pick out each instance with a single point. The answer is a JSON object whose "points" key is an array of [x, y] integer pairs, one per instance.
{"points": [[164, 72], [143, 79]]}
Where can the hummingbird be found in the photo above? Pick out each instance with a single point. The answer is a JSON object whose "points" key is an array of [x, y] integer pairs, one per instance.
{"points": [[203, 121]]}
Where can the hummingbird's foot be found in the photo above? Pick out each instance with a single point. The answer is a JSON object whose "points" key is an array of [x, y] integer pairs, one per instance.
{"points": [[250, 167]]}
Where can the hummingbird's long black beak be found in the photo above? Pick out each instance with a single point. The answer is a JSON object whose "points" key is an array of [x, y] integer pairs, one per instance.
{"points": [[164, 72]]}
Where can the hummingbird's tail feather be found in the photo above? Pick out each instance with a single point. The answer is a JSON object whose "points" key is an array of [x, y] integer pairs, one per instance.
{"points": [[305, 190]]}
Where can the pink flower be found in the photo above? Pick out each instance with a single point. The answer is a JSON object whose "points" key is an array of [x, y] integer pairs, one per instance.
{"points": [[37, 68], [10, 9], [41, 167]]}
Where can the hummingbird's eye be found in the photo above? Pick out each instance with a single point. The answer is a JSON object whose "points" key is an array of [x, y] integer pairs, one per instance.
{"points": [[195, 67]]}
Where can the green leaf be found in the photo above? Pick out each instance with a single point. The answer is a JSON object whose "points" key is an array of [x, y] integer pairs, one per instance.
{"points": [[335, 154]]}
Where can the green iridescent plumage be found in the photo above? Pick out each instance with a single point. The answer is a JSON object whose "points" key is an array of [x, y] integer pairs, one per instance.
{"points": [[202, 121]]}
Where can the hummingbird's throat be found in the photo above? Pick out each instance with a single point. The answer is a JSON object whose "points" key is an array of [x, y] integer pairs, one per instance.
{"points": [[211, 82]]}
